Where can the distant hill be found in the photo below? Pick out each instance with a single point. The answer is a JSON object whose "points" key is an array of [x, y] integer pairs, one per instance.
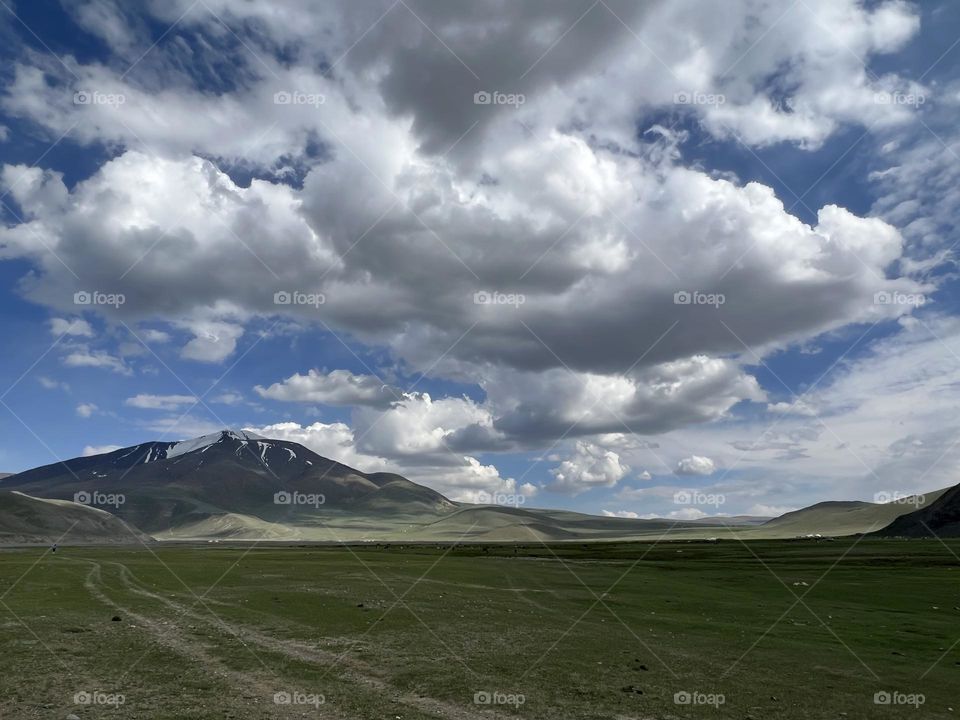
{"points": [[940, 518], [29, 520], [843, 517]]}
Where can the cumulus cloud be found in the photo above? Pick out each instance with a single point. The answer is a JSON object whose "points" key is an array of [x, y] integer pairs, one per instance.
{"points": [[212, 342], [590, 466], [548, 253], [696, 465], [459, 477], [338, 387]]}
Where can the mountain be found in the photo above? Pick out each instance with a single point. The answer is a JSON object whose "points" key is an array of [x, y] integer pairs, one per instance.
{"points": [[29, 520], [939, 518], [167, 485], [235, 485], [843, 517]]}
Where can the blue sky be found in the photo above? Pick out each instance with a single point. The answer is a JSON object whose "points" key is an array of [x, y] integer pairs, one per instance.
{"points": [[795, 159]]}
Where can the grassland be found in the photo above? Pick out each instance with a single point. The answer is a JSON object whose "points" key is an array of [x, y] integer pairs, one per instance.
{"points": [[779, 629]]}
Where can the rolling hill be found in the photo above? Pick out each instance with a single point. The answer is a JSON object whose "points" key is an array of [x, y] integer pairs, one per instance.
{"points": [[26, 520], [939, 518], [842, 517]]}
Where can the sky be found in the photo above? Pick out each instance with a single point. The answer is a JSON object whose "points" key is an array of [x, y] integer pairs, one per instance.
{"points": [[666, 259]]}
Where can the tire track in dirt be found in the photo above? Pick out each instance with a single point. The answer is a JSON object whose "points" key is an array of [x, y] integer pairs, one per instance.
{"points": [[173, 639], [349, 669]]}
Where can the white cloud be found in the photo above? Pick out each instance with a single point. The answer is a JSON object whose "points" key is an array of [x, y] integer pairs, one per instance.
{"points": [[458, 477], [84, 357], [334, 441], [160, 402], [154, 336], [89, 450], [620, 514], [86, 410], [590, 466], [797, 407], [213, 341], [76, 327], [338, 387], [51, 384], [695, 465], [687, 514], [762, 510]]}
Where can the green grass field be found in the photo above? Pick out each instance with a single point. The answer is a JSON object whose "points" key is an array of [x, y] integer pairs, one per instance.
{"points": [[773, 629]]}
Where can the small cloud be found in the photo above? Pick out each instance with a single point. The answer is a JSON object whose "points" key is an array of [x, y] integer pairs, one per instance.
{"points": [[228, 398], [590, 466], [620, 514], [145, 401], [770, 510], [75, 327], [645, 475], [83, 357], [50, 384], [99, 449], [154, 336], [212, 342], [687, 514], [85, 410], [696, 465], [795, 408]]}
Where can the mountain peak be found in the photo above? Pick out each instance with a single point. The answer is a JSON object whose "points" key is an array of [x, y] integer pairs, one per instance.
{"points": [[203, 441]]}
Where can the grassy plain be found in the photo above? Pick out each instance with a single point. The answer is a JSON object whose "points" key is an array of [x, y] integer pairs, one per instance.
{"points": [[786, 629]]}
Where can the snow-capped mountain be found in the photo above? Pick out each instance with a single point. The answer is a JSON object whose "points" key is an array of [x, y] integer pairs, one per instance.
{"points": [[167, 484]]}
